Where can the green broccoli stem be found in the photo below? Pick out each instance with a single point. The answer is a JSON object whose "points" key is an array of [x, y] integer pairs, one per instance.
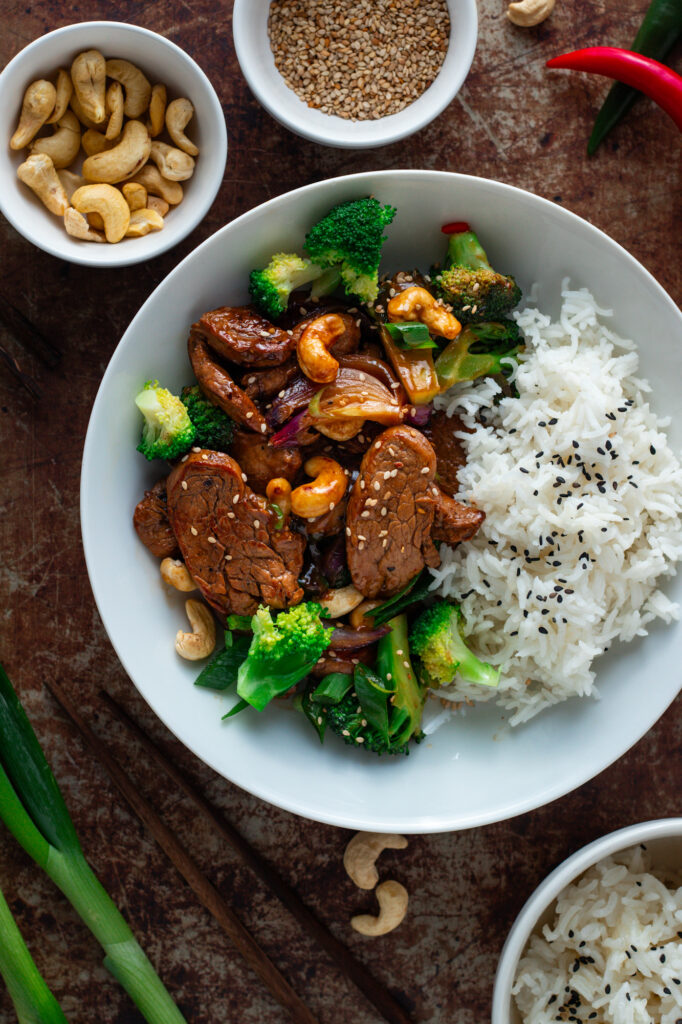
{"points": [[395, 666], [465, 250], [328, 281], [33, 1001]]}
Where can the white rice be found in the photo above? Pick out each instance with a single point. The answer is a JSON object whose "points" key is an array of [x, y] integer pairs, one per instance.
{"points": [[575, 538], [613, 953]]}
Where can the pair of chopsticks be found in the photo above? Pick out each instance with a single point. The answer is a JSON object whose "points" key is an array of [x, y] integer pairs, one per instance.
{"points": [[34, 341], [209, 896]]}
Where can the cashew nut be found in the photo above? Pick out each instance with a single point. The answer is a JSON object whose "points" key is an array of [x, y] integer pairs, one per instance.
{"points": [[340, 602], [360, 618], [38, 104], [362, 852], [178, 116], [64, 92], [142, 222], [175, 574], [157, 110], [278, 492], [340, 430], [392, 898], [311, 347], [137, 88], [38, 172], [70, 181], [63, 146], [89, 77], [201, 641], [173, 163], [324, 491], [527, 13], [135, 195], [76, 225], [109, 203], [157, 185], [418, 304], [114, 105], [124, 159], [78, 110], [95, 142], [157, 204]]}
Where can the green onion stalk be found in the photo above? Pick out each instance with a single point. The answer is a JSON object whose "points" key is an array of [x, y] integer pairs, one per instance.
{"points": [[33, 809], [33, 1001]]}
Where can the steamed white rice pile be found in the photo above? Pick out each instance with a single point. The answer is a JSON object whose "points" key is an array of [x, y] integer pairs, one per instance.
{"points": [[613, 953], [582, 496]]}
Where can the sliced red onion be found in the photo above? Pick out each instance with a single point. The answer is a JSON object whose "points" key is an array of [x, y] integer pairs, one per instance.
{"points": [[295, 396], [346, 639], [295, 432], [418, 415]]}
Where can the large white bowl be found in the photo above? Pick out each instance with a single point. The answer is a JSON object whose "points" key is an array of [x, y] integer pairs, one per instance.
{"points": [[252, 45], [663, 840], [162, 61], [473, 770]]}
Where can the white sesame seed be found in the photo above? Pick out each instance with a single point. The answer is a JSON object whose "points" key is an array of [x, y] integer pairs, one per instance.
{"points": [[263, 428], [384, 511], [193, 530], [211, 540], [249, 415], [424, 470], [332, 506], [256, 524], [228, 558], [230, 515], [244, 477], [376, 485], [196, 450], [184, 485], [235, 499]]}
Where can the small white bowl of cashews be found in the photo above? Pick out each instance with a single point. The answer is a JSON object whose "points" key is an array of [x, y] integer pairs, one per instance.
{"points": [[116, 144]]}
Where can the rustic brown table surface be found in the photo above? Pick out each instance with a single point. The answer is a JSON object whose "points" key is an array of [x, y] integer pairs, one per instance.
{"points": [[512, 121]]}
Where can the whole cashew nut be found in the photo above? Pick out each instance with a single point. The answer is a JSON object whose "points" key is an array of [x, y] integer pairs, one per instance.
{"points": [[201, 641], [38, 172], [64, 93], [173, 163], [363, 851], [392, 898], [137, 88], [63, 146], [135, 195], [278, 492], [142, 222], [311, 348], [109, 203], [324, 491], [38, 104], [123, 160], [340, 602], [157, 204], [95, 142], [416, 304], [178, 116], [89, 77], [527, 13], [157, 185], [360, 618], [77, 226], [175, 574], [78, 110], [114, 105], [157, 110]]}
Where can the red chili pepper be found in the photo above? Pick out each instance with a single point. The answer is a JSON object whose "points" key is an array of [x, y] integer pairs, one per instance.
{"points": [[455, 227], [659, 82]]}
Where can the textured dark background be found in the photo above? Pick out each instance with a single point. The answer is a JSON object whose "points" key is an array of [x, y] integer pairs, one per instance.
{"points": [[512, 121]]}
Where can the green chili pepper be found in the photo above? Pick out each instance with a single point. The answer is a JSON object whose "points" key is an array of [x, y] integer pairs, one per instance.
{"points": [[661, 28]]}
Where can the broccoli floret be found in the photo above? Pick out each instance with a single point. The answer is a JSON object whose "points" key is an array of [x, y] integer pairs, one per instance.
{"points": [[282, 652], [470, 285], [168, 431], [214, 428], [437, 641], [271, 287], [478, 351], [351, 237]]}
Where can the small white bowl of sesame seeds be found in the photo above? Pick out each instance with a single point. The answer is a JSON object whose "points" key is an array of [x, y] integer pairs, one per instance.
{"points": [[355, 73]]}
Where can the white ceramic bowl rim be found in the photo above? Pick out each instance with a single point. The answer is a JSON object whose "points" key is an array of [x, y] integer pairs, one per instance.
{"points": [[359, 817], [155, 243], [550, 888]]}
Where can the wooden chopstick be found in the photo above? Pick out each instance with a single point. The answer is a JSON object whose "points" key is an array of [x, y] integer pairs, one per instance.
{"points": [[379, 996], [204, 889]]}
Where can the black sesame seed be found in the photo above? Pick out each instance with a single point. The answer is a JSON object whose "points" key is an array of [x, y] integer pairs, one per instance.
{"points": [[541, 629], [523, 469], [575, 444], [652, 449], [553, 422]]}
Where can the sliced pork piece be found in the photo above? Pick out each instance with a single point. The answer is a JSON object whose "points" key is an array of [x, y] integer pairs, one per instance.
{"points": [[261, 462], [228, 539], [219, 388], [265, 384], [151, 522], [242, 335], [450, 453], [389, 516], [453, 522]]}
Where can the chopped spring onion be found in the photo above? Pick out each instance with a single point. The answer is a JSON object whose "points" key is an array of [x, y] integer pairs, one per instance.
{"points": [[411, 335]]}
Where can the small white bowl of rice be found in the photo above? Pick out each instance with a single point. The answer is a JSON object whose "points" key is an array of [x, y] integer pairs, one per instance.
{"points": [[601, 938]]}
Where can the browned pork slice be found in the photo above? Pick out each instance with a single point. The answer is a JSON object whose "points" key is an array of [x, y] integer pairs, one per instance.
{"points": [[218, 386], [242, 335], [228, 539], [389, 516], [261, 462], [450, 453], [453, 522], [265, 384], [150, 520]]}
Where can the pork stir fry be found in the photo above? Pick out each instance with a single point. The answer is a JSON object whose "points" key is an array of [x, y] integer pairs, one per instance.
{"points": [[312, 484]]}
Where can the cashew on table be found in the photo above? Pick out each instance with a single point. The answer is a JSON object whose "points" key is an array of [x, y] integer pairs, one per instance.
{"points": [[528, 13], [359, 861], [392, 898]]}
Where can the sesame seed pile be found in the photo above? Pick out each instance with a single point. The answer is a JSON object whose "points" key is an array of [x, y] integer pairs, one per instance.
{"points": [[359, 59]]}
